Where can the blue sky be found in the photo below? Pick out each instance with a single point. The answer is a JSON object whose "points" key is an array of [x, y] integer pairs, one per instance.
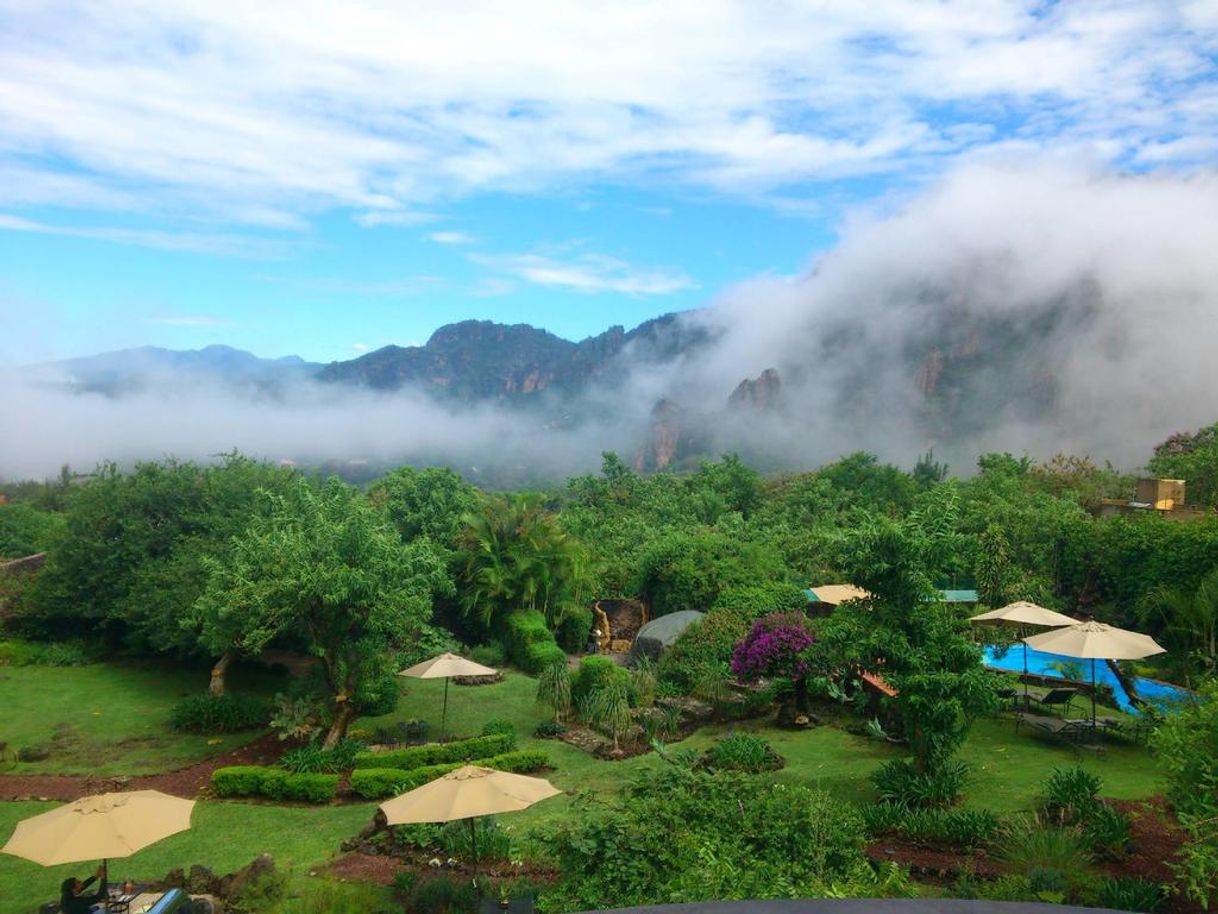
{"points": [[325, 180]]}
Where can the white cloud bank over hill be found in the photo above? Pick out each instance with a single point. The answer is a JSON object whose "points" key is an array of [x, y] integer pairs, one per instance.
{"points": [[1104, 284]]}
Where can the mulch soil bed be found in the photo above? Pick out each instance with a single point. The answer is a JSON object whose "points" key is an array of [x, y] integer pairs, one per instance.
{"points": [[1156, 842], [185, 782]]}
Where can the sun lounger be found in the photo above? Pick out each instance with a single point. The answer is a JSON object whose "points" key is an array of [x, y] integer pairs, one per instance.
{"points": [[1054, 699], [1075, 732]]}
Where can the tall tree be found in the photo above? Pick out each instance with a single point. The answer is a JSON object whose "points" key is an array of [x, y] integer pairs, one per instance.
{"points": [[513, 555], [322, 563]]}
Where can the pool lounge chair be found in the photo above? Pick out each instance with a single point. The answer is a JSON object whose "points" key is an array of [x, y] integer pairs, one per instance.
{"points": [[1054, 699], [1077, 733]]}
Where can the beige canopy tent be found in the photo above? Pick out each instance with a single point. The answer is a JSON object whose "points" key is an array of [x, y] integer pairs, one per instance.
{"points": [[100, 827], [1096, 641], [467, 793], [445, 666], [1020, 615]]}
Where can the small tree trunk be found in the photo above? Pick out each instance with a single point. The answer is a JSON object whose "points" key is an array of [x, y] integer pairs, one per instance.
{"points": [[1127, 683], [343, 715], [801, 695], [218, 671]]}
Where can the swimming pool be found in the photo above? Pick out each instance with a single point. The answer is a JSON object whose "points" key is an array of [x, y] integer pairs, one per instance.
{"points": [[1150, 690]]}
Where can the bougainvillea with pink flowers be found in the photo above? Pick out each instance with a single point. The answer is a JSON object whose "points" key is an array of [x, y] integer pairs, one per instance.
{"points": [[777, 646]]}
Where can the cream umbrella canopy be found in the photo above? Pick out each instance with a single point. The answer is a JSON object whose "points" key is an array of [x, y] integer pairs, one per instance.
{"points": [[467, 793], [445, 666], [100, 827], [1095, 641], [1021, 614]]}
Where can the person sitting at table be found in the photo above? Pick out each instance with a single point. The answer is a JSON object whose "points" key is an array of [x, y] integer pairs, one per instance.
{"points": [[72, 897]]}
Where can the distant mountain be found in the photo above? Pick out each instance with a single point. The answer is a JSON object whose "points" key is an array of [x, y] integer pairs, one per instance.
{"points": [[129, 371], [475, 361]]}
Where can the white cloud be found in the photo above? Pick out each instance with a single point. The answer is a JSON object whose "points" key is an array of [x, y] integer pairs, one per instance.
{"points": [[590, 273], [360, 347], [218, 244], [451, 238], [189, 320], [265, 114]]}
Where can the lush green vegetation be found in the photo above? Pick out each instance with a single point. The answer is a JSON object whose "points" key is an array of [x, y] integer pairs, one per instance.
{"points": [[174, 573]]}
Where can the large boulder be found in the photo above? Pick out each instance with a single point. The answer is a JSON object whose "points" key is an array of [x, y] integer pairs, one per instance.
{"points": [[659, 634]]}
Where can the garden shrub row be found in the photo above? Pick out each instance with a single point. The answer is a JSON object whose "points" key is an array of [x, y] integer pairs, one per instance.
{"points": [[438, 753], [273, 783], [206, 713], [378, 783], [529, 642], [949, 828]]}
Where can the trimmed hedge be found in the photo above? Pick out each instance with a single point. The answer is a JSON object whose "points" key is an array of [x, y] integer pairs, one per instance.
{"points": [[572, 629], [378, 783], [273, 783], [438, 753], [529, 642], [595, 674]]}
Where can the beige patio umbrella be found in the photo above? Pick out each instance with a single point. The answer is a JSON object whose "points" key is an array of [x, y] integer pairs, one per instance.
{"points": [[467, 793], [100, 827], [1096, 641], [445, 666], [1021, 614]]}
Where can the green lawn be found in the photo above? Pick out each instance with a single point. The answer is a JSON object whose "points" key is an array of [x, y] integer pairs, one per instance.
{"points": [[1007, 768], [224, 837], [106, 718]]}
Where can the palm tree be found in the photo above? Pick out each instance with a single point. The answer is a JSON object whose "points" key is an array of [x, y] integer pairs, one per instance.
{"points": [[554, 688], [1191, 622], [513, 555]]}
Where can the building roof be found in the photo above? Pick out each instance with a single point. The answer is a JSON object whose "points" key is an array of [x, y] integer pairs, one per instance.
{"points": [[835, 594]]}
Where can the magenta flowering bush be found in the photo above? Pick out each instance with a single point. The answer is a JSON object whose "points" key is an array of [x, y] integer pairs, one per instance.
{"points": [[776, 646]]}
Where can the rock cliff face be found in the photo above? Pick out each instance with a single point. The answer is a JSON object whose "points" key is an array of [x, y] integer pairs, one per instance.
{"points": [[761, 394], [475, 361]]}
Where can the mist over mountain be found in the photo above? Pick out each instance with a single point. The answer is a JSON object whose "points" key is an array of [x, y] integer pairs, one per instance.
{"points": [[1036, 309]]}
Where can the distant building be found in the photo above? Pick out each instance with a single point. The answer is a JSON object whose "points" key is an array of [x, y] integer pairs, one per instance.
{"points": [[1165, 496]]}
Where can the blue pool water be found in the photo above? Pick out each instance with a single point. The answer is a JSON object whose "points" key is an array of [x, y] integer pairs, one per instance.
{"points": [[1149, 690]]}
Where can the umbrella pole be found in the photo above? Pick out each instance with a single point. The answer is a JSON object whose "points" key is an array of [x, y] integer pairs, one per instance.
{"points": [[1025, 668], [1093, 687], [444, 713], [473, 843]]}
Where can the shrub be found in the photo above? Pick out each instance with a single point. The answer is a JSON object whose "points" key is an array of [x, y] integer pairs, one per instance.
{"points": [[705, 644], [500, 726], [443, 895], [248, 781], [1070, 792], [404, 881], [1128, 893], [260, 892], [492, 842], [490, 654], [1026, 845], [554, 688], [1106, 831], [947, 828], [742, 752], [325, 896], [596, 673], [549, 729], [378, 783], [305, 760], [572, 627], [437, 753], [683, 835], [298, 717], [205, 713], [309, 788], [898, 781], [15, 652], [529, 642]]}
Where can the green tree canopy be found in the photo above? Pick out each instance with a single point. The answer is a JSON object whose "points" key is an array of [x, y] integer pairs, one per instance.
{"points": [[321, 562]]}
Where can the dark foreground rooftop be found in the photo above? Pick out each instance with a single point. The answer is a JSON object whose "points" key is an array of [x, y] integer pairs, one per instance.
{"points": [[863, 906]]}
